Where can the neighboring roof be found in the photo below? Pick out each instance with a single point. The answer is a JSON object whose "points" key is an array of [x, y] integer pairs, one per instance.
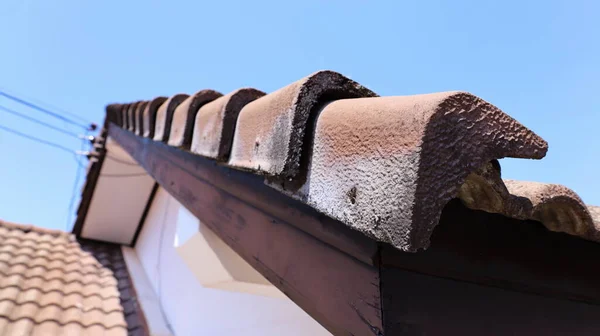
{"points": [[385, 166], [53, 284]]}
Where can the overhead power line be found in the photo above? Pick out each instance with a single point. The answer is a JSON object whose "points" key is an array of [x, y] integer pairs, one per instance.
{"points": [[122, 161], [44, 104], [24, 116], [78, 171], [44, 110], [125, 175], [32, 138]]}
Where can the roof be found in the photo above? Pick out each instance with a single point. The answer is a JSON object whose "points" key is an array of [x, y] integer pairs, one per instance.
{"points": [[53, 284], [385, 166]]}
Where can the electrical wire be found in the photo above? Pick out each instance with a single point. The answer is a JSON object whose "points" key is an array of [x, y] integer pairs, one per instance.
{"points": [[32, 138], [78, 170], [79, 161], [38, 108], [57, 146], [49, 106], [125, 175], [43, 110], [115, 159], [24, 116], [121, 161]]}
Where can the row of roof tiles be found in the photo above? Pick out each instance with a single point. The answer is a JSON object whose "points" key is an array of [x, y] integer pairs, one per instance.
{"points": [[52, 284], [383, 165]]}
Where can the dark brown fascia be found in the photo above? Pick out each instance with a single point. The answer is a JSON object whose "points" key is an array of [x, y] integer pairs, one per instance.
{"points": [[114, 112], [482, 272]]}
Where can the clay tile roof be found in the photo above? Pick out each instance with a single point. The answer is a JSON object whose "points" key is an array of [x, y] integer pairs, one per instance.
{"points": [[270, 130], [53, 284], [389, 165], [185, 114], [123, 115], [138, 114], [215, 123], [131, 115], [385, 166], [164, 117], [149, 116]]}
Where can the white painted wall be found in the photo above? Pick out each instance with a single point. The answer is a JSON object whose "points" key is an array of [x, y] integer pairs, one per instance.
{"points": [[192, 309], [214, 263]]}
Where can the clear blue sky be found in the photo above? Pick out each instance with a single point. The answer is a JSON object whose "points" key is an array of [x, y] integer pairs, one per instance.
{"points": [[537, 60]]}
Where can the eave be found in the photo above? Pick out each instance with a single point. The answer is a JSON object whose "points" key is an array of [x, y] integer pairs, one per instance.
{"points": [[352, 284], [306, 186]]}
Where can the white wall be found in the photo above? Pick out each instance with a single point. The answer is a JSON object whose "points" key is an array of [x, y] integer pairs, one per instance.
{"points": [[195, 310]]}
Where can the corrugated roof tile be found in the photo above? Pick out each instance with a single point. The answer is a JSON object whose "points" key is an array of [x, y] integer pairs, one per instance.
{"points": [[185, 114], [215, 123], [138, 118], [270, 131], [19, 328], [164, 117], [131, 116], [44, 292], [149, 116], [385, 166], [46, 328], [123, 116]]}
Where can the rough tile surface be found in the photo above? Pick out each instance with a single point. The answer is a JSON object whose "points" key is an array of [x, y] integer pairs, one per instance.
{"points": [[138, 117], [52, 284], [386, 166], [123, 115], [131, 116], [164, 117], [185, 114], [113, 113], [557, 207], [149, 116], [595, 213], [270, 131], [215, 123]]}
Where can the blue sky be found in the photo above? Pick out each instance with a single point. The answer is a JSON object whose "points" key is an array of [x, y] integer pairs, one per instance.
{"points": [[536, 60]]}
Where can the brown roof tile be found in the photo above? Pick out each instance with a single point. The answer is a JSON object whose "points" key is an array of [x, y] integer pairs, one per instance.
{"points": [[184, 116], [138, 118], [131, 115], [388, 165], [122, 115], [557, 207], [45, 292], [148, 121], [270, 130], [164, 117], [215, 123], [385, 166], [595, 213]]}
